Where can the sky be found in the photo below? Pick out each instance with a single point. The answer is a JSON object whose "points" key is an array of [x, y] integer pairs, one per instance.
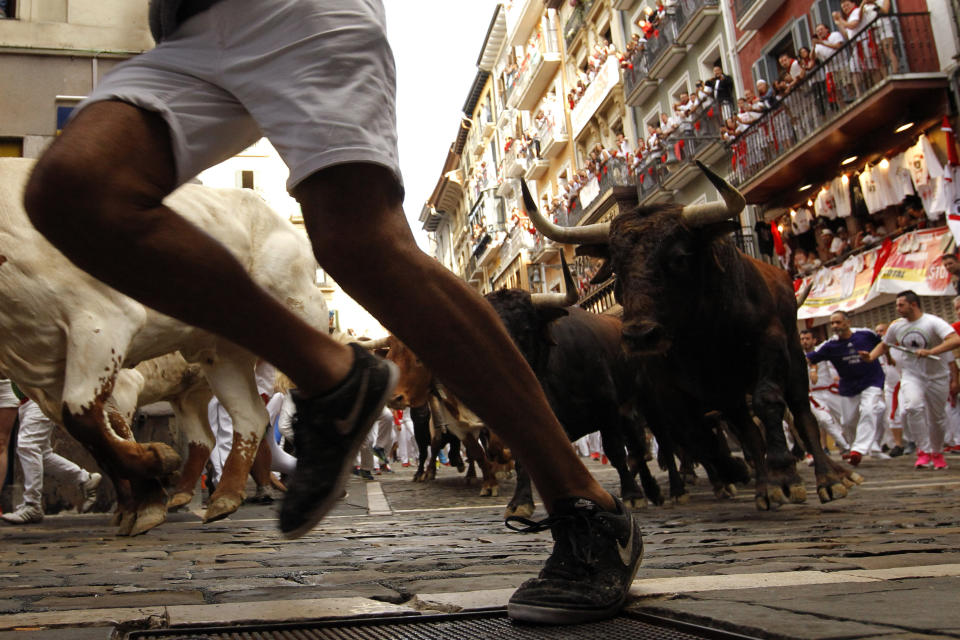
{"points": [[436, 44]]}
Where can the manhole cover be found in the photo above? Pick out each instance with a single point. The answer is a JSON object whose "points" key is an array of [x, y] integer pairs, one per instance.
{"points": [[476, 626]]}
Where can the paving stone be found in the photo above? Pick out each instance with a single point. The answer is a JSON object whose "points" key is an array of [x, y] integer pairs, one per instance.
{"points": [[281, 611], [107, 600], [370, 590], [84, 633], [467, 583], [901, 560], [8, 605]]}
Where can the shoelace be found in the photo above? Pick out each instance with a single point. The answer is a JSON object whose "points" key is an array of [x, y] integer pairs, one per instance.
{"points": [[535, 526]]}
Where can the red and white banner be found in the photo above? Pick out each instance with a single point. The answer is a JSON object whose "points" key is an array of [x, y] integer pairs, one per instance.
{"points": [[912, 261]]}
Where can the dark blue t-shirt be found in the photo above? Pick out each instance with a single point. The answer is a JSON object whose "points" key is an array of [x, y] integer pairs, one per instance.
{"points": [[855, 374]]}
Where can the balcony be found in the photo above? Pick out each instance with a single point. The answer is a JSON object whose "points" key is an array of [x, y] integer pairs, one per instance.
{"points": [[487, 124], [517, 239], [650, 178], [538, 70], [515, 162], [536, 165], [752, 14], [596, 94], [486, 222], [506, 118], [575, 22], [552, 132], [638, 86], [664, 53], [521, 17], [601, 299], [699, 140], [848, 106], [698, 17]]}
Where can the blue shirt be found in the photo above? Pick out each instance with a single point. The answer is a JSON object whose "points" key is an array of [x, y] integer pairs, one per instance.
{"points": [[855, 374]]}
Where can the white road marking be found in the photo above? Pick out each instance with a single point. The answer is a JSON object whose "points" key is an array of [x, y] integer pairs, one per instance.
{"points": [[377, 504]]}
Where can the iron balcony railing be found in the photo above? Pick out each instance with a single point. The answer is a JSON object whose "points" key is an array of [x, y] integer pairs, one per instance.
{"points": [[651, 174], [887, 46], [668, 28], [599, 298], [547, 43], [575, 21]]}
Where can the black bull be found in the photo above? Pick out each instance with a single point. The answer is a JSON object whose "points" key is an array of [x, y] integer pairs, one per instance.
{"points": [[707, 325]]}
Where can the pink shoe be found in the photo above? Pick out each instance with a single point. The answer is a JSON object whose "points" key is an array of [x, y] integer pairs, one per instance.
{"points": [[938, 461], [923, 460]]}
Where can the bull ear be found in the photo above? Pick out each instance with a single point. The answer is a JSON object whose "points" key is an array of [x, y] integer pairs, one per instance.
{"points": [[604, 273], [547, 316], [593, 250]]}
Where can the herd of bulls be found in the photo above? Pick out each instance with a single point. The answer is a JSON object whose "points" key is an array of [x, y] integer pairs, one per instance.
{"points": [[707, 346]]}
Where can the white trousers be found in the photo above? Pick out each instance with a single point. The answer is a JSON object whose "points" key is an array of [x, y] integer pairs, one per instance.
{"points": [[407, 449], [825, 407], [924, 402], [36, 456], [952, 436], [595, 442], [860, 417]]}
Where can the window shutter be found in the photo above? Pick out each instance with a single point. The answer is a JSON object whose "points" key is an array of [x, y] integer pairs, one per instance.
{"points": [[801, 33]]}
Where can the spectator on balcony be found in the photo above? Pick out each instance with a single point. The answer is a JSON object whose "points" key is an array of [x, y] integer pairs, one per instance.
{"points": [[766, 96], [653, 139], [883, 29], [806, 60], [747, 113], [623, 146], [722, 86], [668, 124], [704, 94], [841, 242], [791, 72], [826, 42]]}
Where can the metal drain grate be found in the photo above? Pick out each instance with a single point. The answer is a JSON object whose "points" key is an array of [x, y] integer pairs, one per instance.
{"points": [[476, 626]]}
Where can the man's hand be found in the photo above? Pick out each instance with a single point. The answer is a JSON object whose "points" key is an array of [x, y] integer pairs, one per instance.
{"points": [[866, 356]]}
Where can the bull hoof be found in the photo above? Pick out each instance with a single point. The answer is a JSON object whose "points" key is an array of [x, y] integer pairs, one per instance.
{"points": [[495, 491], [148, 517], [178, 500], [126, 522], [776, 496], [835, 491], [518, 511], [276, 484], [418, 476], [484, 491], [681, 499], [798, 494], [856, 477], [168, 460], [726, 492], [461, 468], [635, 502], [221, 506], [116, 518]]}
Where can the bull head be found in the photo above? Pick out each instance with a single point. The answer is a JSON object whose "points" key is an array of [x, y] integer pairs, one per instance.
{"points": [[694, 215], [558, 299], [661, 256]]}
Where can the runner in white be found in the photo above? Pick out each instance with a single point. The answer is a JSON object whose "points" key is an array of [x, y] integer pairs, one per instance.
{"points": [[824, 397], [923, 342]]}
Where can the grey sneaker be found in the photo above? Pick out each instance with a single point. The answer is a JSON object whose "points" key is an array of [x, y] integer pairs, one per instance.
{"points": [[25, 514], [88, 490], [328, 432], [596, 555]]}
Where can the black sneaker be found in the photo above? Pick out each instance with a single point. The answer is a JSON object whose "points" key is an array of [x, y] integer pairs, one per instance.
{"points": [[328, 431], [595, 557], [896, 452]]}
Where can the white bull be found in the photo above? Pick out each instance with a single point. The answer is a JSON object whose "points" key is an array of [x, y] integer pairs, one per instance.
{"points": [[65, 337]]}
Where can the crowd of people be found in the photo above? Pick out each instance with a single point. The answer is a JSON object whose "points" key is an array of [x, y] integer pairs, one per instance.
{"points": [[889, 391]]}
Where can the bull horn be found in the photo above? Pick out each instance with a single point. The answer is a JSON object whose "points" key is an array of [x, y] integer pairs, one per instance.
{"points": [[373, 345], [558, 299], [598, 233], [698, 215], [804, 292]]}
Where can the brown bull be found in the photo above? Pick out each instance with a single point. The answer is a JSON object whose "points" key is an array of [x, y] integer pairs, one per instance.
{"points": [[707, 325]]}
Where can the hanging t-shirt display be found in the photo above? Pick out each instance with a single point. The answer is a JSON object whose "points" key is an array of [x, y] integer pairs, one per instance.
{"points": [[801, 220], [922, 162], [883, 177], [900, 176], [824, 205], [840, 189], [871, 193]]}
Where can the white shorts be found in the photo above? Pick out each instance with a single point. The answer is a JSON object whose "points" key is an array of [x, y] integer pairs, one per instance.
{"points": [[8, 400], [316, 77]]}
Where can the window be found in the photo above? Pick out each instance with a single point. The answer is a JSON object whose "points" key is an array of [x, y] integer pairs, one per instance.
{"points": [[822, 12], [8, 8], [791, 37], [245, 178]]}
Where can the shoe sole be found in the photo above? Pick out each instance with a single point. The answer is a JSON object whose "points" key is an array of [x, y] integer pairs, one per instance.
{"points": [[324, 507], [553, 615]]}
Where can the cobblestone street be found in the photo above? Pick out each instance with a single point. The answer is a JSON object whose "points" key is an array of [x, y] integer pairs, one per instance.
{"points": [[882, 563]]}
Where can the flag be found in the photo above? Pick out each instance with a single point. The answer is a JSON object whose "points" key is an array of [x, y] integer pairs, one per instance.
{"points": [[951, 142], [777, 240]]}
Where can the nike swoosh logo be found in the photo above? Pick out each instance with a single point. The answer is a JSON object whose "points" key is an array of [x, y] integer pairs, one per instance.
{"points": [[344, 425], [626, 555]]}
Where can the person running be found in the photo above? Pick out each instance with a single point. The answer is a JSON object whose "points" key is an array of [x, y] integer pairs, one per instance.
{"points": [[923, 342], [861, 383], [317, 78]]}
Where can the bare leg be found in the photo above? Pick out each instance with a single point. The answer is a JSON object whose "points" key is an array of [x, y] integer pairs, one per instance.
{"points": [[457, 333], [96, 194]]}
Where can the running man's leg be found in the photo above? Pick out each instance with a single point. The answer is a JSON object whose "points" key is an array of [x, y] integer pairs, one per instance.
{"points": [[361, 237], [97, 195]]}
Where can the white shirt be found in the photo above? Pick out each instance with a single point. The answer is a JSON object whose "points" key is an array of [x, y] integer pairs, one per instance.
{"points": [[854, 17], [841, 197], [826, 376], [926, 332], [922, 162], [824, 205], [900, 175], [822, 51], [801, 221]]}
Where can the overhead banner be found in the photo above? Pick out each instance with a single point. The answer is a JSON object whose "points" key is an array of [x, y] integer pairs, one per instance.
{"points": [[844, 287], [911, 262], [915, 264]]}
